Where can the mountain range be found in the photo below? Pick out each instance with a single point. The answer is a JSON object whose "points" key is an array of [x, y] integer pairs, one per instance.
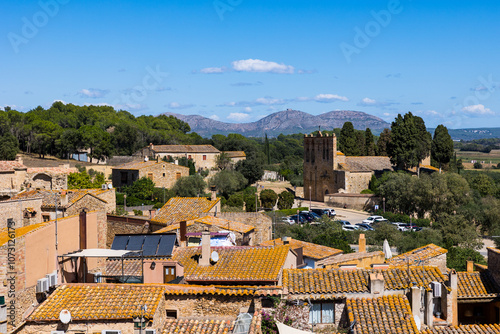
{"points": [[284, 122]]}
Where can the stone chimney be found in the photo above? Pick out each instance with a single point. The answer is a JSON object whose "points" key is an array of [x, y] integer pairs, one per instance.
{"points": [[416, 302], [213, 190], [205, 248], [452, 299], [285, 240], [470, 266], [19, 159], [377, 283], [362, 243]]}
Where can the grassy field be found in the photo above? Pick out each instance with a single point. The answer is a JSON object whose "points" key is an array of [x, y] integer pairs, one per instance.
{"points": [[487, 159]]}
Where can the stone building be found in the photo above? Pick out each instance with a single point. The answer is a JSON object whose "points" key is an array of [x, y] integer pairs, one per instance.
{"points": [[71, 202], [26, 211], [12, 177], [204, 156], [163, 174], [328, 171], [236, 156]]}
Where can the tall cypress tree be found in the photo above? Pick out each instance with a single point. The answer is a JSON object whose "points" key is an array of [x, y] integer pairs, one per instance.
{"points": [[369, 143], [347, 139], [442, 146]]}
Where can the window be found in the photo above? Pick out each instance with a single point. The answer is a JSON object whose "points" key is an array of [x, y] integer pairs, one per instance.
{"points": [[177, 175], [171, 314], [189, 157], [150, 176], [46, 218], [204, 157], [169, 274], [163, 174], [322, 313], [106, 331], [123, 177]]}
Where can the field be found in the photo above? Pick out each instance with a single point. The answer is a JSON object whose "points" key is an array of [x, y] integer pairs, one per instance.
{"points": [[487, 159]]}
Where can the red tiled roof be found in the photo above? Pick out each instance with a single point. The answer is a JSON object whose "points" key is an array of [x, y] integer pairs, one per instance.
{"points": [[342, 258], [100, 302], [50, 196], [183, 208], [388, 314], [10, 166], [224, 290], [463, 329], [417, 255], [474, 285], [52, 170], [137, 165], [310, 250], [241, 263], [195, 326]]}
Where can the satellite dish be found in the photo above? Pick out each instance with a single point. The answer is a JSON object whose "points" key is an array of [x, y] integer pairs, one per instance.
{"points": [[110, 186], [65, 316], [417, 321], [214, 256]]}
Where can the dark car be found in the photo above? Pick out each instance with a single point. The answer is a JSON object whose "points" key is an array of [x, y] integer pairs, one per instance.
{"points": [[301, 218], [321, 212], [309, 217]]}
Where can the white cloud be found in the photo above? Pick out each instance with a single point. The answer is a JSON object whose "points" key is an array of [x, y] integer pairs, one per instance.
{"points": [[214, 117], [269, 101], [386, 114], [257, 65], [367, 101], [329, 98], [477, 110], [93, 93], [131, 106], [177, 105], [238, 116], [248, 109], [212, 70]]}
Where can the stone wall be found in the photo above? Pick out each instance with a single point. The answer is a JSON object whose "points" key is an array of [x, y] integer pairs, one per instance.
{"points": [[110, 197], [438, 261], [261, 222], [124, 225], [18, 210], [163, 174], [209, 305], [319, 164], [357, 182], [494, 263], [87, 202], [200, 227], [353, 201], [46, 180]]}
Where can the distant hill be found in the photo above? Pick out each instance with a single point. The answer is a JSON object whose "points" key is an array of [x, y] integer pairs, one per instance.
{"points": [[285, 122], [471, 134]]}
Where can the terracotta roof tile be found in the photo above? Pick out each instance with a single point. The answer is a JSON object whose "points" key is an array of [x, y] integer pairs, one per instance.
{"points": [[137, 165], [463, 329], [100, 302], [338, 281], [225, 224], [342, 258], [367, 164], [245, 264], [185, 149], [388, 314], [310, 250], [183, 208], [131, 267], [235, 154], [233, 290], [49, 196], [195, 326], [10, 166], [52, 170], [476, 285], [417, 255]]}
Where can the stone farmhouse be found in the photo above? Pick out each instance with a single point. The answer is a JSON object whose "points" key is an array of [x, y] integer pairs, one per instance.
{"points": [[163, 174], [204, 156]]}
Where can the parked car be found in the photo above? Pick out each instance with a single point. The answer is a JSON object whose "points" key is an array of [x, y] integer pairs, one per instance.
{"points": [[372, 219], [321, 212], [331, 211], [287, 220], [401, 226], [412, 227], [365, 227], [313, 214], [301, 219], [347, 226], [307, 216]]}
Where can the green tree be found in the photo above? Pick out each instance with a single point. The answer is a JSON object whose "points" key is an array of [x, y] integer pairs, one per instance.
{"points": [[142, 189], [223, 161], [189, 186], [442, 146], [251, 169], [360, 143], [268, 198], [457, 231], [285, 200], [347, 139], [80, 180], [457, 258], [250, 202], [369, 143], [383, 143], [410, 141], [9, 146], [236, 200], [228, 182], [478, 165]]}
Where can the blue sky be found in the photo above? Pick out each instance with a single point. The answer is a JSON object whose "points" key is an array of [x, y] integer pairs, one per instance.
{"points": [[240, 60]]}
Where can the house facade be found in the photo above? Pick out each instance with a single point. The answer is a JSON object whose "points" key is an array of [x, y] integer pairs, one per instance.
{"points": [[204, 156], [163, 174]]}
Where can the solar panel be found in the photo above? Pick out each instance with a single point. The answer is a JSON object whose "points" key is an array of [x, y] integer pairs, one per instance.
{"points": [[120, 242], [150, 245], [166, 246], [135, 242]]}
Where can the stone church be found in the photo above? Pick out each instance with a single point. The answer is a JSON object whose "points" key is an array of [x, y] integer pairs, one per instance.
{"points": [[329, 171]]}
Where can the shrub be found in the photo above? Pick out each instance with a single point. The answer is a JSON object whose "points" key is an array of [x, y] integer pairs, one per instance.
{"points": [[268, 198], [285, 200], [137, 212], [477, 165]]}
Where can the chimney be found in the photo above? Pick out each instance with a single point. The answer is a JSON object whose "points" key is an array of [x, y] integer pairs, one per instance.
{"points": [[176, 161], [182, 230], [285, 240], [151, 146], [376, 283], [83, 230], [205, 248], [64, 198], [362, 243], [19, 159], [452, 300], [470, 266], [213, 190], [416, 302]]}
